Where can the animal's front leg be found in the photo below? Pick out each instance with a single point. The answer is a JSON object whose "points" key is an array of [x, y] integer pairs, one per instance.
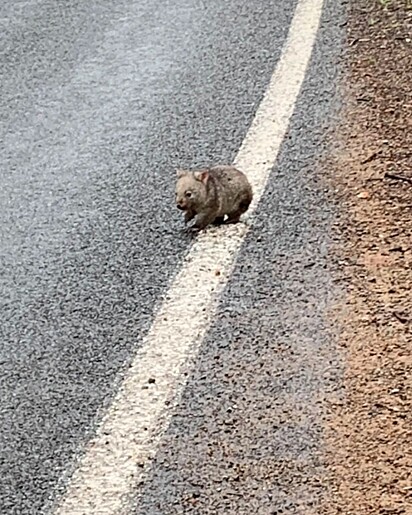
{"points": [[203, 220], [189, 215]]}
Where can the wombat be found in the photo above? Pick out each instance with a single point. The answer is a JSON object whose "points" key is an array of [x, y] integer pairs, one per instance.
{"points": [[211, 193]]}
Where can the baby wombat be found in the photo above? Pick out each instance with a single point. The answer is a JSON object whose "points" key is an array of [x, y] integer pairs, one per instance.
{"points": [[211, 193]]}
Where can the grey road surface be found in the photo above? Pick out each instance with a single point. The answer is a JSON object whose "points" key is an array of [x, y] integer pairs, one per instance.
{"points": [[99, 102]]}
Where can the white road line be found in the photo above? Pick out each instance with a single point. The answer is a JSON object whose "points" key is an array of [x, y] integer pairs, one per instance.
{"points": [[132, 427]]}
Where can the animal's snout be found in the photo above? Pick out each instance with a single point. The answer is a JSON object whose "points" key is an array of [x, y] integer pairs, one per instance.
{"points": [[180, 206]]}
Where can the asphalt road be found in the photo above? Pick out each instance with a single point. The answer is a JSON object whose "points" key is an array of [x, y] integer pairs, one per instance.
{"points": [[99, 102]]}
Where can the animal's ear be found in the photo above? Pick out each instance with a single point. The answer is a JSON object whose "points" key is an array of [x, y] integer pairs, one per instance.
{"points": [[180, 173], [202, 176]]}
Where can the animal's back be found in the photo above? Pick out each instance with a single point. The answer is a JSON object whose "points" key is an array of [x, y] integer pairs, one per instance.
{"points": [[232, 187]]}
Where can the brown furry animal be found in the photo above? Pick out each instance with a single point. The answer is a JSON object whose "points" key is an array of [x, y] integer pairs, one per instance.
{"points": [[210, 194]]}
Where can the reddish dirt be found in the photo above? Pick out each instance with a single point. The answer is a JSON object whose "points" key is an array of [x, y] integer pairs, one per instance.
{"points": [[369, 432]]}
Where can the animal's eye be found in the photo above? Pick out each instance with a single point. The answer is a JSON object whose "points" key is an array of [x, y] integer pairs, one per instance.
{"points": [[188, 194]]}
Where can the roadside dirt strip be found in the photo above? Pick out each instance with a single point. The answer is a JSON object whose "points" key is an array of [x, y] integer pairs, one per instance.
{"points": [[370, 428]]}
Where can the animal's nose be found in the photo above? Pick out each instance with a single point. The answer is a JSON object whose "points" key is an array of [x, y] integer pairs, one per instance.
{"points": [[180, 206]]}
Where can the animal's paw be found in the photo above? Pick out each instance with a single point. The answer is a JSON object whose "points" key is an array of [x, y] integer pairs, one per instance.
{"points": [[190, 230]]}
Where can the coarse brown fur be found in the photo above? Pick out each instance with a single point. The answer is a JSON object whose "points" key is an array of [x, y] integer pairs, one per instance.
{"points": [[210, 194]]}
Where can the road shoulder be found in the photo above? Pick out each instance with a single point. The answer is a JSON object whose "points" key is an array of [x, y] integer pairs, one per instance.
{"points": [[370, 429]]}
